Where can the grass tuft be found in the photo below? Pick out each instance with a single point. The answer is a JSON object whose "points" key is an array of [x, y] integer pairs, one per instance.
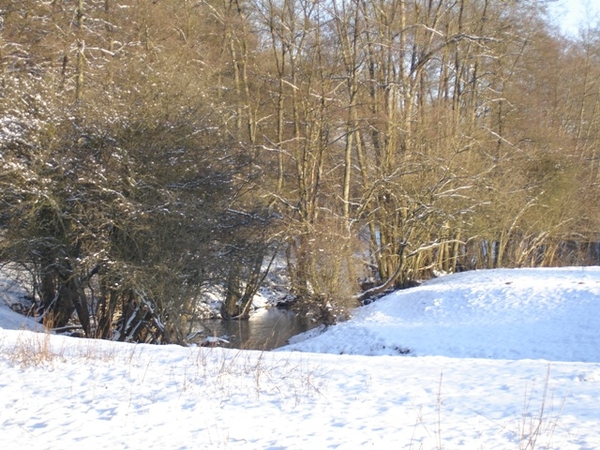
{"points": [[539, 424], [34, 350]]}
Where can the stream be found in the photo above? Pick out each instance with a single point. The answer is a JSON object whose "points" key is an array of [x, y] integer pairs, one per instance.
{"points": [[265, 330]]}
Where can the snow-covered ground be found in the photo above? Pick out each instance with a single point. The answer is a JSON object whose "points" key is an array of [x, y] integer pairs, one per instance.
{"points": [[502, 359]]}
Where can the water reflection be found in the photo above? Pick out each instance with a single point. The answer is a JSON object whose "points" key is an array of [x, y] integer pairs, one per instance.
{"points": [[265, 330]]}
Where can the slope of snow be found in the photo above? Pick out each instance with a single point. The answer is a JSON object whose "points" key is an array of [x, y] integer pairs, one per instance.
{"points": [[477, 378], [11, 292], [551, 314]]}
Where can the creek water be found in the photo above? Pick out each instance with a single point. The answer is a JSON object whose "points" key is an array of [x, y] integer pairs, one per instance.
{"points": [[265, 330]]}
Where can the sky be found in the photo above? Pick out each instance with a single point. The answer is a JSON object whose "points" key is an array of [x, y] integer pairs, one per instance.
{"points": [[492, 359], [571, 13]]}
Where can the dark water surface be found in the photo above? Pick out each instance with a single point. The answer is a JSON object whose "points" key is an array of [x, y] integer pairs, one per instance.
{"points": [[265, 330]]}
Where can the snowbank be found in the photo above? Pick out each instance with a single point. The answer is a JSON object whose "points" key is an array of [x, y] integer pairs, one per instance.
{"points": [[551, 314]]}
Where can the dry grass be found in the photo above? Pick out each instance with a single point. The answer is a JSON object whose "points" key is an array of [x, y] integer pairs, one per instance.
{"points": [[538, 421], [540, 424], [222, 373], [261, 374], [33, 350]]}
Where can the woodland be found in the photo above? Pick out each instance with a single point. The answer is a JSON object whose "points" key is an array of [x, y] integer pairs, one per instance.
{"points": [[153, 150]]}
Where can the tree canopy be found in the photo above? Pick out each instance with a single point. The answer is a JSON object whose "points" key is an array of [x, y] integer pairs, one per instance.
{"points": [[152, 150]]}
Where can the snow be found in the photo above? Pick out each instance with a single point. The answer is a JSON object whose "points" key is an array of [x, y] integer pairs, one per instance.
{"points": [[500, 314], [496, 359], [12, 292]]}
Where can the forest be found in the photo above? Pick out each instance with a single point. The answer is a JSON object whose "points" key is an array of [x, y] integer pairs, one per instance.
{"points": [[152, 150]]}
